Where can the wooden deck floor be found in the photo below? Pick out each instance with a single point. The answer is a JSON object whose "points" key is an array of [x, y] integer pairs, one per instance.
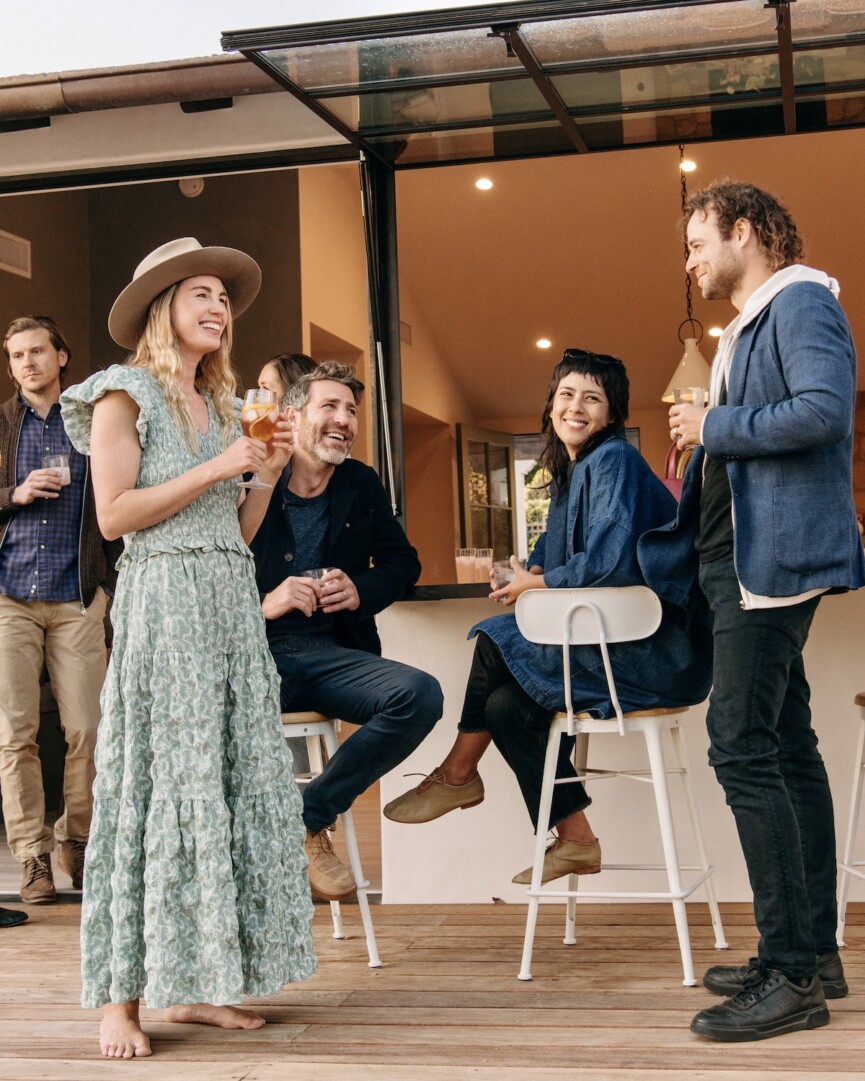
{"points": [[446, 1006]]}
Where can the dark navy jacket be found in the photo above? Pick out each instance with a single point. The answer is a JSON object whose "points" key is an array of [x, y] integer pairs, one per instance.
{"points": [[364, 540]]}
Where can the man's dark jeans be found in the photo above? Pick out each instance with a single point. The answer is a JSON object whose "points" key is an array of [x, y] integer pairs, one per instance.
{"points": [[764, 752], [395, 705]]}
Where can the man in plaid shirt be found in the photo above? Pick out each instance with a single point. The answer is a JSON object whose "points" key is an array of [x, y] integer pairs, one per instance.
{"points": [[53, 563]]}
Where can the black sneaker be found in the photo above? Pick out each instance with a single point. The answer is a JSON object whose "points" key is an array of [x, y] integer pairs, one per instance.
{"points": [[768, 1005], [728, 980]]}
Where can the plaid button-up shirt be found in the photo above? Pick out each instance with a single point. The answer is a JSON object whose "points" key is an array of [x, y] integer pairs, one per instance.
{"points": [[39, 555]]}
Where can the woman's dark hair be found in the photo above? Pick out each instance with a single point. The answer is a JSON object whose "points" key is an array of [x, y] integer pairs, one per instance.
{"points": [[607, 371], [290, 367]]}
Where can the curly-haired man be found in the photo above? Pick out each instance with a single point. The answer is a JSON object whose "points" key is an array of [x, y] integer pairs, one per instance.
{"points": [[768, 493]]}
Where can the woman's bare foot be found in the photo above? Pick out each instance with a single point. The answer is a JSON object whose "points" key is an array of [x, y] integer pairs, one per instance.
{"points": [[120, 1034], [202, 1013]]}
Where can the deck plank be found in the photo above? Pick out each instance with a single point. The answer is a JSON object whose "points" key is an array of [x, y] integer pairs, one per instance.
{"points": [[446, 1006]]}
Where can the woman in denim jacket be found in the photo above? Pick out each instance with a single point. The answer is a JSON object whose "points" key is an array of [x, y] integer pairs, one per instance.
{"points": [[605, 504]]}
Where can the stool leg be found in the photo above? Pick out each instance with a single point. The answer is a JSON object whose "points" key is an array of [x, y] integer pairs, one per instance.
{"points": [[581, 761], [852, 829], [677, 737], [544, 809], [332, 745], [336, 916], [313, 751], [658, 767]]}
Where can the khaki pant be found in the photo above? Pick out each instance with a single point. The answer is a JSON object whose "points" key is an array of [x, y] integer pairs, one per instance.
{"points": [[72, 644]]}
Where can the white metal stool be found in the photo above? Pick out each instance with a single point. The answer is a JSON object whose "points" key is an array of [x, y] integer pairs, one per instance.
{"points": [[848, 865], [597, 616], [316, 729]]}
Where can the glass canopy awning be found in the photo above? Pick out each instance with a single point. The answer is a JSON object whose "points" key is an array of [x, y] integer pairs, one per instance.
{"points": [[519, 79]]}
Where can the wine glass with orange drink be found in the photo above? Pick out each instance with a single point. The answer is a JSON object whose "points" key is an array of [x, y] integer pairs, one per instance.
{"points": [[258, 417]]}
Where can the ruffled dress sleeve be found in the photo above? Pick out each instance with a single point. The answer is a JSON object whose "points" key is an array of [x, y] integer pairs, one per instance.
{"points": [[77, 402]]}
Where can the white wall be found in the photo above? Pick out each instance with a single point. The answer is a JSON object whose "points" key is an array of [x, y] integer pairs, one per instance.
{"points": [[470, 856]]}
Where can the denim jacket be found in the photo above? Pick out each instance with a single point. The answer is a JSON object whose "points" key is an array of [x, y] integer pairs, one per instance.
{"points": [[599, 534]]}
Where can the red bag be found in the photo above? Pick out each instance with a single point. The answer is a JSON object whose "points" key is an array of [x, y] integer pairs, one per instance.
{"points": [[674, 469]]}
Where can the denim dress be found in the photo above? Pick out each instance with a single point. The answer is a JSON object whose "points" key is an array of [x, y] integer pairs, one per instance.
{"points": [[600, 533]]}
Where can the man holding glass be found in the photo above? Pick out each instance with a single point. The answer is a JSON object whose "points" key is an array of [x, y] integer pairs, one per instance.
{"points": [[768, 496], [329, 556], [53, 561]]}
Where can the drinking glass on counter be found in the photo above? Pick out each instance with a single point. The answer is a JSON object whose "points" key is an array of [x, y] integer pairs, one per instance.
{"points": [[465, 561], [483, 564]]}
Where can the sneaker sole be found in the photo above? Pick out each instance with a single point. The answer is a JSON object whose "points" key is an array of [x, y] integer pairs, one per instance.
{"points": [[807, 1019]]}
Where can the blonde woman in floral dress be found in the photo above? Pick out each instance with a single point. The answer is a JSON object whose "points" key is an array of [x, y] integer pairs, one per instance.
{"points": [[195, 892]]}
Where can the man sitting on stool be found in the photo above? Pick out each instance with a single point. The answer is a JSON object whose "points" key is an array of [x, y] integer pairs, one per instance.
{"points": [[328, 511]]}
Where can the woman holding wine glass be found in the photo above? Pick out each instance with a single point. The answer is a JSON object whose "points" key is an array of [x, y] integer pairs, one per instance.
{"points": [[195, 891]]}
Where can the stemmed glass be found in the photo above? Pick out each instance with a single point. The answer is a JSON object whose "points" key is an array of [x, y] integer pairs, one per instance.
{"points": [[258, 417]]}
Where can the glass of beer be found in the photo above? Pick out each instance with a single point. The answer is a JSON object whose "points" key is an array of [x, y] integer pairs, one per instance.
{"points": [[258, 418]]}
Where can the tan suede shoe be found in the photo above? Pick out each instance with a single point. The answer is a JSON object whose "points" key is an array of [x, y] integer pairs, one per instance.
{"points": [[329, 878], [37, 881], [433, 798], [565, 858]]}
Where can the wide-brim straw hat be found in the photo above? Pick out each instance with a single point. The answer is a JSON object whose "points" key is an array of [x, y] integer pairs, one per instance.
{"points": [[174, 262]]}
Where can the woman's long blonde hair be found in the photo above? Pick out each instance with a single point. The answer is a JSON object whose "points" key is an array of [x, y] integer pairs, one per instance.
{"points": [[157, 351]]}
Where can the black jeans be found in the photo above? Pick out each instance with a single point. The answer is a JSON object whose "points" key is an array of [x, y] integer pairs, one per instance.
{"points": [[497, 704], [764, 753]]}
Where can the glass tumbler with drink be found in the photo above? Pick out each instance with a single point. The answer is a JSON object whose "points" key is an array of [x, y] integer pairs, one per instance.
{"points": [[690, 396], [258, 418], [465, 561], [60, 463]]}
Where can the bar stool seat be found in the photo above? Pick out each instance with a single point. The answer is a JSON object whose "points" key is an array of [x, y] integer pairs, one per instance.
{"points": [[318, 729], [848, 865], [597, 616]]}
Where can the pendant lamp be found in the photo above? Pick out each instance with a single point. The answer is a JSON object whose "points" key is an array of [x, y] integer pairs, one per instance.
{"points": [[693, 369]]}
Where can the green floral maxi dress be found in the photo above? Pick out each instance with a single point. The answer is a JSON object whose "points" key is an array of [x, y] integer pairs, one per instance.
{"points": [[195, 887]]}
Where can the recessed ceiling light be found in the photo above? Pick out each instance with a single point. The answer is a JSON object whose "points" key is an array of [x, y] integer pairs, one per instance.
{"points": [[715, 332], [687, 166], [484, 184], [543, 343]]}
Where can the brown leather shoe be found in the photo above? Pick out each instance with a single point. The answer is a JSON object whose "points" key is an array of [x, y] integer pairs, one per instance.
{"points": [[329, 879], [37, 882], [433, 798], [70, 858], [565, 858]]}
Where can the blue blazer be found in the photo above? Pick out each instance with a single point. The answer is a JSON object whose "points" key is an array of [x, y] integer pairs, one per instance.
{"points": [[786, 434]]}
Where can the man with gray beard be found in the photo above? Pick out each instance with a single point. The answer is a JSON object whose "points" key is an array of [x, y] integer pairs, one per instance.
{"points": [[330, 514]]}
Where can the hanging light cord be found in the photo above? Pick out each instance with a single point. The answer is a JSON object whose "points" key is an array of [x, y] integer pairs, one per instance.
{"points": [[696, 325]]}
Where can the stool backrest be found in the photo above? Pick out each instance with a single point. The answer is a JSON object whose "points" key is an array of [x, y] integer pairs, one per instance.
{"points": [[591, 616]]}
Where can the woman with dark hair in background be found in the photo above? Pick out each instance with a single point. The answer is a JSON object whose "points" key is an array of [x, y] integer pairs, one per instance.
{"points": [[283, 371], [605, 500]]}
